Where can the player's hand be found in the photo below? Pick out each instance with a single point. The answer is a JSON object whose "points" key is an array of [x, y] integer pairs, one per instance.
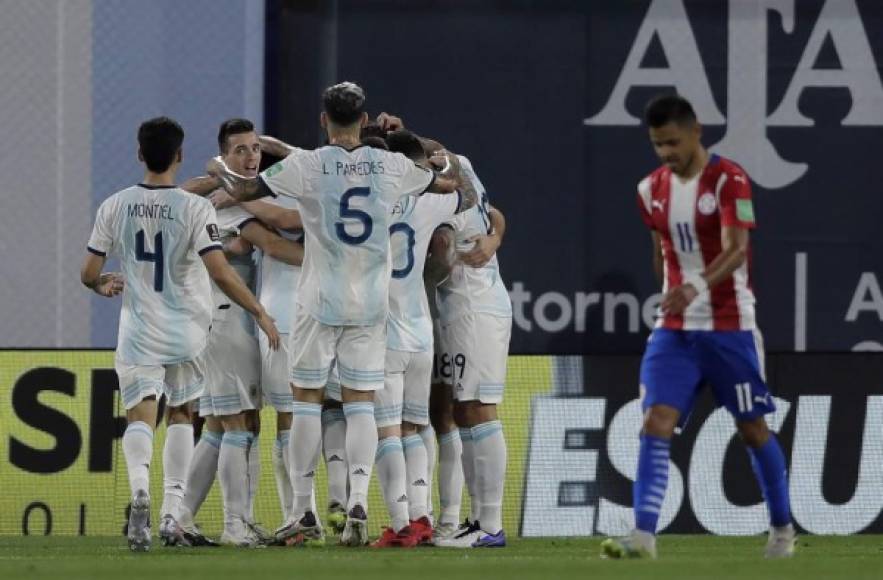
{"points": [[238, 246], [221, 199], [389, 122], [214, 166], [110, 284], [268, 325], [481, 253], [678, 298]]}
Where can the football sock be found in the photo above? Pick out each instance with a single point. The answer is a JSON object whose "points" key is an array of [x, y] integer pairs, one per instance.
{"points": [[769, 467], [361, 447], [254, 474], [468, 461], [490, 469], [304, 445], [450, 476], [390, 461], [177, 453], [233, 474], [417, 470], [334, 446], [651, 481], [203, 468], [428, 435], [281, 473], [138, 449]]}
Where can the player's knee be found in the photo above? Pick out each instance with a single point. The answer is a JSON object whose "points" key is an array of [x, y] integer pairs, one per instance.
{"points": [[390, 431], [408, 429], [308, 395], [253, 421], [354, 396], [660, 422], [283, 421], [754, 433], [179, 415]]}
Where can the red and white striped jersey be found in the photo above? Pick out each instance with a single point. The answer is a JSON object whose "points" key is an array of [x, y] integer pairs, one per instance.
{"points": [[689, 217]]}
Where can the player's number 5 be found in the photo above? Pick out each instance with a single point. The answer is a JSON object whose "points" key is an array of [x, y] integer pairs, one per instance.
{"points": [[142, 255], [347, 212]]}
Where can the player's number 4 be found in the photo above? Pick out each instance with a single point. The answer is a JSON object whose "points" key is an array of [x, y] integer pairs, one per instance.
{"points": [[743, 397], [142, 255]]}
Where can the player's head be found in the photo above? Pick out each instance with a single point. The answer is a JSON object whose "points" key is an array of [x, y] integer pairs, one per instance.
{"points": [[344, 107], [372, 129], [408, 144], [674, 130], [239, 146], [375, 142], [159, 144]]}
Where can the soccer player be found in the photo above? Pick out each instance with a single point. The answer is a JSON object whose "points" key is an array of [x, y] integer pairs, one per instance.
{"points": [[476, 324], [161, 234], [345, 191], [229, 443], [699, 211], [402, 406]]}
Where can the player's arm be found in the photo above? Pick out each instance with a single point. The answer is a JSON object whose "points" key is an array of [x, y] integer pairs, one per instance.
{"points": [[447, 174], [274, 216], [658, 268], [441, 255], [274, 146], [486, 246], [202, 185], [108, 284], [239, 187], [272, 244], [232, 285]]}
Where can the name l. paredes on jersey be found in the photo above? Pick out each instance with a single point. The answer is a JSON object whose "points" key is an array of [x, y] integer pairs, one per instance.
{"points": [[360, 168], [150, 210]]}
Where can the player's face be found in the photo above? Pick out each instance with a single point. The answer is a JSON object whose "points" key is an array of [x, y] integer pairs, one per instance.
{"points": [[675, 144], [243, 154]]}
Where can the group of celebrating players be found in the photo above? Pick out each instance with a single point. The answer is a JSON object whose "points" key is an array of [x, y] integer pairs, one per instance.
{"points": [[347, 248], [384, 329]]}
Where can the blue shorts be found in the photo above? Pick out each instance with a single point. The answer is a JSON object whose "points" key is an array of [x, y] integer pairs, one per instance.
{"points": [[677, 363]]}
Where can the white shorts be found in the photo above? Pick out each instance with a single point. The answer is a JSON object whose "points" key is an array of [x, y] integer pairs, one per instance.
{"points": [[478, 347], [275, 368], [358, 350], [405, 394], [441, 362], [233, 365], [180, 382]]}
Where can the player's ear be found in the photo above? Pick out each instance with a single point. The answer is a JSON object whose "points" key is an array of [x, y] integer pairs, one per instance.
{"points": [[697, 128], [364, 120], [179, 156], [323, 120], [140, 156]]}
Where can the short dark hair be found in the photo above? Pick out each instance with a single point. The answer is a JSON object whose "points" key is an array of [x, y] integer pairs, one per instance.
{"points": [[669, 108], [407, 143], [375, 142], [160, 141], [230, 127], [344, 103]]}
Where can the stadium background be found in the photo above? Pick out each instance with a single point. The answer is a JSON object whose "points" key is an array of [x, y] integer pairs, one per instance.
{"points": [[543, 97]]}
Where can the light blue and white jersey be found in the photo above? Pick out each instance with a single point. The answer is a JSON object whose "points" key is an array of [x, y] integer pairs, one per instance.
{"points": [[277, 283], [469, 289], [230, 222], [345, 199], [409, 326], [159, 234]]}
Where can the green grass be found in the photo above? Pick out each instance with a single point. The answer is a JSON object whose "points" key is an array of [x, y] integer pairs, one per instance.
{"points": [[681, 557]]}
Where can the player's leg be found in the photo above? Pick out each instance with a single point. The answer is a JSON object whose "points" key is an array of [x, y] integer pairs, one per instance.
{"points": [[201, 475], [233, 476], [334, 450], [670, 377], [733, 363], [361, 352], [312, 351], [275, 388], [390, 456], [415, 415], [253, 424], [140, 388], [450, 466]]}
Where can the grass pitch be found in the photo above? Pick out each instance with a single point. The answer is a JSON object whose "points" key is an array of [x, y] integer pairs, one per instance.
{"points": [[681, 557]]}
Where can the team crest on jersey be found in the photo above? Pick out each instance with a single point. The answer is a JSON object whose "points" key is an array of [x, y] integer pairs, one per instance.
{"points": [[707, 203], [213, 233], [274, 169]]}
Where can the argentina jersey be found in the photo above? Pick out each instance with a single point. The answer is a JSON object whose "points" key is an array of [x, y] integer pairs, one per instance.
{"points": [[469, 289], [409, 326], [230, 222], [345, 199], [159, 234]]}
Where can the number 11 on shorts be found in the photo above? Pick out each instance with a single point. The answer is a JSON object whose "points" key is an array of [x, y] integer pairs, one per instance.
{"points": [[743, 397]]}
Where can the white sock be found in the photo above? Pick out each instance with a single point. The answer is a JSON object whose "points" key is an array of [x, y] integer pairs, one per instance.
{"points": [[203, 468], [254, 474], [304, 446], [176, 456], [138, 449], [490, 468], [450, 476], [233, 474], [391, 475], [428, 435], [361, 447], [281, 473], [334, 446], [468, 462], [416, 469]]}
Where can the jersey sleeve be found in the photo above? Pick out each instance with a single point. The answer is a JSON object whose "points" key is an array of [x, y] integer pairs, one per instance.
{"points": [[413, 179], [287, 176], [736, 206], [205, 235], [101, 240], [644, 202], [442, 207]]}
